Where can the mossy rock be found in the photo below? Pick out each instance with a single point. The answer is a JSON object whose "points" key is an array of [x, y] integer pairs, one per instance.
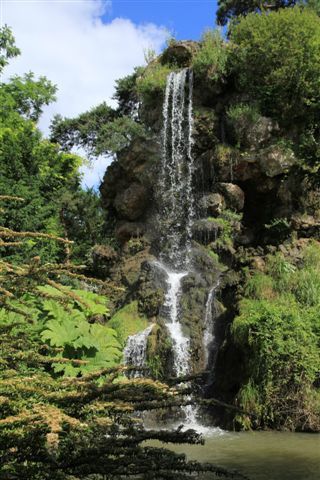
{"points": [[159, 352], [179, 53], [128, 321]]}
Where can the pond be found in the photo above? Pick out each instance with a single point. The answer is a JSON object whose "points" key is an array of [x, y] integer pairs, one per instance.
{"points": [[259, 455]]}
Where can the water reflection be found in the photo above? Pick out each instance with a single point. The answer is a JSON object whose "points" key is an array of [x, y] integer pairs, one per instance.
{"points": [[259, 455]]}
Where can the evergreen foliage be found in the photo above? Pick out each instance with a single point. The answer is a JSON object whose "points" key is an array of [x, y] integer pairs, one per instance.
{"points": [[103, 130], [228, 9]]}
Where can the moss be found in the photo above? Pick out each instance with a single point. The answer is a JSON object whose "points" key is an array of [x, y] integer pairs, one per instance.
{"points": [[128, 321], [159, 346], [153, 81]]}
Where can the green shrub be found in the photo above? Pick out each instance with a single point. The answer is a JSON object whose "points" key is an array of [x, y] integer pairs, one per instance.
{"points": [[210, 61], [278, 330], [61, 318], [242, 117], [152, 81], [277, 60]]}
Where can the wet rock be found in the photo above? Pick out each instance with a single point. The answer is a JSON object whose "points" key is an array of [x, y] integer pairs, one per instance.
{"points": [[131, 267], [212, 204], [276, 160], [152, 287], [233, 195], [103, 258], [132, 202], [126, 230], [206, 231]]}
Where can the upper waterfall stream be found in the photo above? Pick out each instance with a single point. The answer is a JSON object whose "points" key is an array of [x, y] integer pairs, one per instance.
{"points": [[176, 205]]}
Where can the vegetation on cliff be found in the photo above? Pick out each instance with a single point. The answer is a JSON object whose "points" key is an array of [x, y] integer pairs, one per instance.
{"points": [[66, 407], [256, 110], [278, 332]]}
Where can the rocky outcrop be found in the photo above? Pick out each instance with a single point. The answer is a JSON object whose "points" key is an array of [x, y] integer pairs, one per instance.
{"points": [[250, 197], [179, 53], [233, 194], [276, 160], [132, 202], [211, 204]]}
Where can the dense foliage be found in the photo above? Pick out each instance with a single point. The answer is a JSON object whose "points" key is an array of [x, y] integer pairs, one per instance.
{"points": [[210, 61], [103, 130], [35, 169], [81, 425], [281, 71], [278, 330], [230, 9]]}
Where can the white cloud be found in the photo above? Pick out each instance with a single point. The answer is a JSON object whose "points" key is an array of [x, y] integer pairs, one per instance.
{"points": [[66, 41]]}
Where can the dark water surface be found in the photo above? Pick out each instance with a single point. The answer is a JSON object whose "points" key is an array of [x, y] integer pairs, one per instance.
{"points": [[259, 455]]}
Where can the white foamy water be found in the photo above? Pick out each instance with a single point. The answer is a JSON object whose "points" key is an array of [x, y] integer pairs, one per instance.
{"points": [[135, 352]]}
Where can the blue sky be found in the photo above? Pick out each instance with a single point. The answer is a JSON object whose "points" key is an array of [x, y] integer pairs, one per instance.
{"points": [[83, 46], [186, 19]]}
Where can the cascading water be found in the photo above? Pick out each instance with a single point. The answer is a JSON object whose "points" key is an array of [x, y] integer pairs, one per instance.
{"points": [[208, 336], [175, 197], [176, 205], [135, 351]]}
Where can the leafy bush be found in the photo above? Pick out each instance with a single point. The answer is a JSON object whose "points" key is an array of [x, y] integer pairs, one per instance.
{"points": [[242, 116], [276, 59], [279, 331], [61, 318], [210, 61]]}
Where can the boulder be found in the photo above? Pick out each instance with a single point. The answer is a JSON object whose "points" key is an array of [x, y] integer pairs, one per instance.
{"points": [[212, 204], [233, 195], [132, 202], [206, 231], [260, 132], [276, 160], [179, 53], [303, 221], [140, 161]]}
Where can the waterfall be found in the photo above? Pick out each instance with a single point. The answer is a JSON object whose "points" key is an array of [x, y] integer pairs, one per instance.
{"points": [[176, 208], [176, 205], [135, 351], [208, 336], [175, 196]]}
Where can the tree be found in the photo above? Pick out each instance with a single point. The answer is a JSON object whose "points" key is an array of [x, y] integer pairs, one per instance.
{"points": [[31, 166], [276, 60], [65, 405], [8, 48], [103, 130], [229, 9], [30, 95]]}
